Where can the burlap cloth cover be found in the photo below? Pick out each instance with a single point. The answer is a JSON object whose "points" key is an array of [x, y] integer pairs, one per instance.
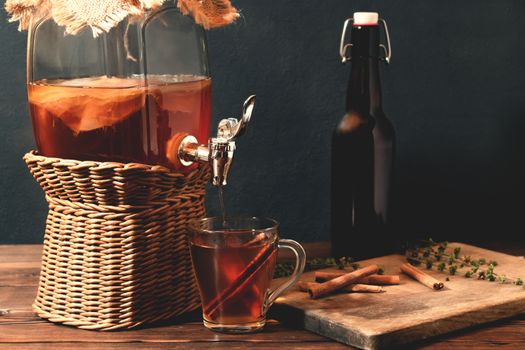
{"points": [[102, 15], [115, 248]]}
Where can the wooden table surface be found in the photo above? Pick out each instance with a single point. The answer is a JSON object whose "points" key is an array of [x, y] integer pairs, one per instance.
{"points": [[21, 329]]}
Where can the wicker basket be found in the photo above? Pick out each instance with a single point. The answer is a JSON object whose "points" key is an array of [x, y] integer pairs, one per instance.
{"points": [[115, 253]]}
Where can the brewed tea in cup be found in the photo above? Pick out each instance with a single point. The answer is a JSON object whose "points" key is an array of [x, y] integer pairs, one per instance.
{"points": [[234, 261]]}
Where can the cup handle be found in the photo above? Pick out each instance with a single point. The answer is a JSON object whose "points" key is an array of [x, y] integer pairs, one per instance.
{"points": [[300, 261]]}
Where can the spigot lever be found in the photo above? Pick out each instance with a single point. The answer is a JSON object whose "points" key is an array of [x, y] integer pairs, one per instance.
{"points": [[231, 128], [219, 151]]}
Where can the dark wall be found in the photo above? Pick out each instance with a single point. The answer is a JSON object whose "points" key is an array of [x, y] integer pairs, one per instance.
{"points": [[455, 91]]}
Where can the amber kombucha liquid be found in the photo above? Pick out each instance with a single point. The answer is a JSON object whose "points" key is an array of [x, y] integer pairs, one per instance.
{"points": [[115, 119], [219, 268]]}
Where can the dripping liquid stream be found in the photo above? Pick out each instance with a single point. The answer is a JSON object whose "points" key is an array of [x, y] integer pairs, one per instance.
{"points": [[221, 204]]}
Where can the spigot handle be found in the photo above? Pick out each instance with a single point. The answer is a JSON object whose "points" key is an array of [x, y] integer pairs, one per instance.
{"points": [[247, 110], [184, 149], [231, 128]]}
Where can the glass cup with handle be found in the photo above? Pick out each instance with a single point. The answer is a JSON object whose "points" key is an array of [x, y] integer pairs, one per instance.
{"points": [[234, 261]]}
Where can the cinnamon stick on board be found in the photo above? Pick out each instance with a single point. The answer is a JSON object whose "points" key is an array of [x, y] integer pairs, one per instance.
{"points": [[322, 289], [361, 288], [379, 280], [422, 277]]}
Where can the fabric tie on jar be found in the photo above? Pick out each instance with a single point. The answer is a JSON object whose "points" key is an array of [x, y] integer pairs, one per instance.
{"points": [[102, 15]]}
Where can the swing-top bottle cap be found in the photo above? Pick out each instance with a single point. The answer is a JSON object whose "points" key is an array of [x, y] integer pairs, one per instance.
{"points": [[366, 18], [363, 19]]}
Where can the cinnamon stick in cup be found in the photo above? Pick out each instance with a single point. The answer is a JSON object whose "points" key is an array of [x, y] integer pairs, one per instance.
{"points": [[246, 275], [421, 277], [322, 289], [356, 288], [379, 280]]}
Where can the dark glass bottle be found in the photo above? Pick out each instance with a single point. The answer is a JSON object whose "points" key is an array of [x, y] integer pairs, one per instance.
{"points": [[362, 158]]}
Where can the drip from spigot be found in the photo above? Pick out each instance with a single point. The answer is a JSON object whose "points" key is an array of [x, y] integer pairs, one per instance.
{"points": [[218, 153]]}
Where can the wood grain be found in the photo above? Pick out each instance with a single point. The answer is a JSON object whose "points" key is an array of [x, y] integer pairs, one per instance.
{"points": [[21, 329], [12, 253], [409, 311], [182, 345]]}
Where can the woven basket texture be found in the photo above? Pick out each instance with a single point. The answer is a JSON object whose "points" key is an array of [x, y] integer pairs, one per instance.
{"points": [[115, 251]]}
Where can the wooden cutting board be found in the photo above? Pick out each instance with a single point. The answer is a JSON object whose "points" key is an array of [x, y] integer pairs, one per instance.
{"points": [[409, 311]]}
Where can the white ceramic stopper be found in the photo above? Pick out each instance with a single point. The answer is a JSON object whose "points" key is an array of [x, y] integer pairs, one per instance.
{"points": [[366, 18]]}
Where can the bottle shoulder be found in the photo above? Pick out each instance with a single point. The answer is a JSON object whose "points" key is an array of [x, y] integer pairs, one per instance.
{"points": [[356, 123], [353, 121], [383, 124]]}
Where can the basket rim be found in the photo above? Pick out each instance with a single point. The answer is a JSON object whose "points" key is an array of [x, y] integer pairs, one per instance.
{"points": [[74, 163]]}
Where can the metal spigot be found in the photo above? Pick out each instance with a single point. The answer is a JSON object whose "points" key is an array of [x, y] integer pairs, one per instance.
{"points": [[218, 153]]}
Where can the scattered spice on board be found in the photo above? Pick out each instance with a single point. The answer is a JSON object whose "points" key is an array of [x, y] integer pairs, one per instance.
{"points": [[286, 269], [449, 260]]}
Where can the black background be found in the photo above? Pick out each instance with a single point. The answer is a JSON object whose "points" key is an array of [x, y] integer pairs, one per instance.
{"points": [[455, 92]]}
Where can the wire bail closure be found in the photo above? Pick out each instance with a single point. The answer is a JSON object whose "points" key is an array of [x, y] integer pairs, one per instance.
{"points": [[343, 48]]}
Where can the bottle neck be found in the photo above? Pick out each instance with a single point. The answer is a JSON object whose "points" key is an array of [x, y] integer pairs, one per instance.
{"points": [[364, 87]]}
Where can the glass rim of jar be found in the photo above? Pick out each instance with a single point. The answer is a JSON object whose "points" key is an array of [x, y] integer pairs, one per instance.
{"points": [[266, 225]]}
